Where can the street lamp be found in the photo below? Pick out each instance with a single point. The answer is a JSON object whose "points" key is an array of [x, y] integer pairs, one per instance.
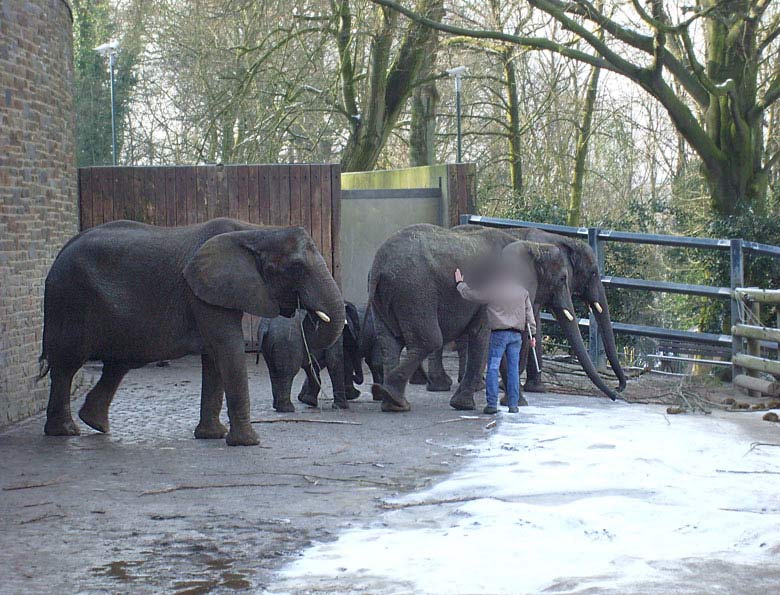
{"points": [[458, 72], [110, 49]]}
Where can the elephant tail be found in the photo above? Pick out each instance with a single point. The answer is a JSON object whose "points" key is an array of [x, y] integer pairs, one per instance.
{"points": [[262, 329]]}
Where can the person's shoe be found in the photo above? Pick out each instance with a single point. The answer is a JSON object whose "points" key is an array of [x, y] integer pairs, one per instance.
{"points": [[488, 410], [514, 410]]}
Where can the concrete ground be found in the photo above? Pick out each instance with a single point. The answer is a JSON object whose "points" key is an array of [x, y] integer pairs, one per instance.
{"points": [[149, 509]]}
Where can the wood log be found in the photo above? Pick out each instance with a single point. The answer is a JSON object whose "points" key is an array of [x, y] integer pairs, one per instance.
{"points": [[765, 387], [765, 296], [761, 333], [757, 363]]}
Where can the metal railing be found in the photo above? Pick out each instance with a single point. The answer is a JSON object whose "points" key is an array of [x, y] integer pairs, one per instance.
{"points": [[597, 237]]}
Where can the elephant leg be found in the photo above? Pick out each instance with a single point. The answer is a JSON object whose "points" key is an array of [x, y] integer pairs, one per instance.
{"points": [[311, 386], [59, 421], [375, 364], [462, 346], [281, 387], [438, 380], [390, 351], [420, 341], [94, 411], [224, 336], [419, 376], [212, 393], [478, 337], [533, 381], [334, 362]]}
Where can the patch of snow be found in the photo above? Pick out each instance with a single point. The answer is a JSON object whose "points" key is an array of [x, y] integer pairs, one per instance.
{"points": [[568, 498]]}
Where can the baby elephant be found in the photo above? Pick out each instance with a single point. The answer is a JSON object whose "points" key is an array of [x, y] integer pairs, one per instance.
{"points": [[284, 350]]}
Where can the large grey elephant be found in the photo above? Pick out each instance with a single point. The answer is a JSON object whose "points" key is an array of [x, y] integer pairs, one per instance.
{"points": [[417, 305], [128, 294], [584, 283], [285, 352]]}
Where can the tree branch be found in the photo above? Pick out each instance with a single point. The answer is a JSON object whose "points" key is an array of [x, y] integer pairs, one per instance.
{"points": [[539, 43]]}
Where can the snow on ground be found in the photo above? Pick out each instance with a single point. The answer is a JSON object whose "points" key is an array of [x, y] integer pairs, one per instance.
{"points": [[592, 496]]}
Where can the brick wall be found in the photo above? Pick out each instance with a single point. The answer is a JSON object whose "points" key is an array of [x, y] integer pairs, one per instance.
{"points": [[38, 208]]}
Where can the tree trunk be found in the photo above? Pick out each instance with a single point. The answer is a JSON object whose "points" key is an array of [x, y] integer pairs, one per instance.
{"points": [[574, 215], [422, 131], [513, 104], [389, 84], [737, 183]]}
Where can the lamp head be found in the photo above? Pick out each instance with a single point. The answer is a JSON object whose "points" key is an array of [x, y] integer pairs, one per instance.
{"points": [[457, 71], [106, 49]]}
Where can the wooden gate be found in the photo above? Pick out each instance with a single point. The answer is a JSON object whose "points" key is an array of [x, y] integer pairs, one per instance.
{"points": [[305, 195]]}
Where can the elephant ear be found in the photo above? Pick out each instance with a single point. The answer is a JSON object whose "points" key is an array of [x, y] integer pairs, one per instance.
{"points": [[224, 272]]}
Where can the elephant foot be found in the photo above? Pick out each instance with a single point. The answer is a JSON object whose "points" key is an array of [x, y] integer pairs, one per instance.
{"points": [[340, 405], [308, 399], [463, 402], [390, 404], [352, 393], [242, 436], [442, 384], [419, 377], [285, 407], [61, 427], [504, 401], [210, 431], [480, 385], [534, 386], [94, 418]]}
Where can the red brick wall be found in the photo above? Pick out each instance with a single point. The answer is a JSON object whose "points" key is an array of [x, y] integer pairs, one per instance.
{"points": [[38, 208]]}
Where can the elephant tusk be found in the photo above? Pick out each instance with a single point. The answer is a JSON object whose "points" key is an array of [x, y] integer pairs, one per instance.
{"points": [[568, 315], [324, 317], [598, 307]]}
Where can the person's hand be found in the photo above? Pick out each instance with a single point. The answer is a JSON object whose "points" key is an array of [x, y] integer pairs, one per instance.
{"points": [[458, 276], [533, 342]]}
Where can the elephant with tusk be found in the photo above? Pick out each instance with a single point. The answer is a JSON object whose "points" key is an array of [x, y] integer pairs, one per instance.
{"points": [[584, 283], [128, 294], [417, 306]]}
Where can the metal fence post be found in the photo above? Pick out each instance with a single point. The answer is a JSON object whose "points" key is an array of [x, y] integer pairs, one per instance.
{"points": [[737, 280], [595, 348]]}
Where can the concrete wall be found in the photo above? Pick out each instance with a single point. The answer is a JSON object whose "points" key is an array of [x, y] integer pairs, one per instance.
{"points": [[38, 211], [367, 222]]}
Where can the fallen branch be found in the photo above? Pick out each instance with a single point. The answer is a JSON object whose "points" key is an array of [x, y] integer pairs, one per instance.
{"points": [[30, 486], [755, 445], [306, 421], [402, 505], [740, 472], [215, 486], [43, 517], [306, 476]]}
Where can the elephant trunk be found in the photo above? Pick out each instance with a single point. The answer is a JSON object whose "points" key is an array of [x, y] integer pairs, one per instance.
{"points": [[572, 332], [608, 335], [321, 297]]}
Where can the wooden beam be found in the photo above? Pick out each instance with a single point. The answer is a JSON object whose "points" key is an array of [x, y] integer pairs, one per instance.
{"points": [[765, 296], [756, 332], [770, 389], [757, 363]]}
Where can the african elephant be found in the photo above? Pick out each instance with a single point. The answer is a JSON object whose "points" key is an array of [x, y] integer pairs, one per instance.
{"points": [[584, 283], [128, 294], [284, 351], [417, 305]]}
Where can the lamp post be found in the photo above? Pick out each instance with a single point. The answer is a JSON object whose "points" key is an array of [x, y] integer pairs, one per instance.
{"points": [[110, 49], [458, 72]]}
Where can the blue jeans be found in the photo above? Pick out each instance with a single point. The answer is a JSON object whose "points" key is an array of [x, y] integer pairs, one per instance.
{"points": [[509, 343]]}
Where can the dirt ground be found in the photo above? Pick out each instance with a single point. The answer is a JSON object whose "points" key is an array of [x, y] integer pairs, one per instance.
{"points": [[148, 508]]}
